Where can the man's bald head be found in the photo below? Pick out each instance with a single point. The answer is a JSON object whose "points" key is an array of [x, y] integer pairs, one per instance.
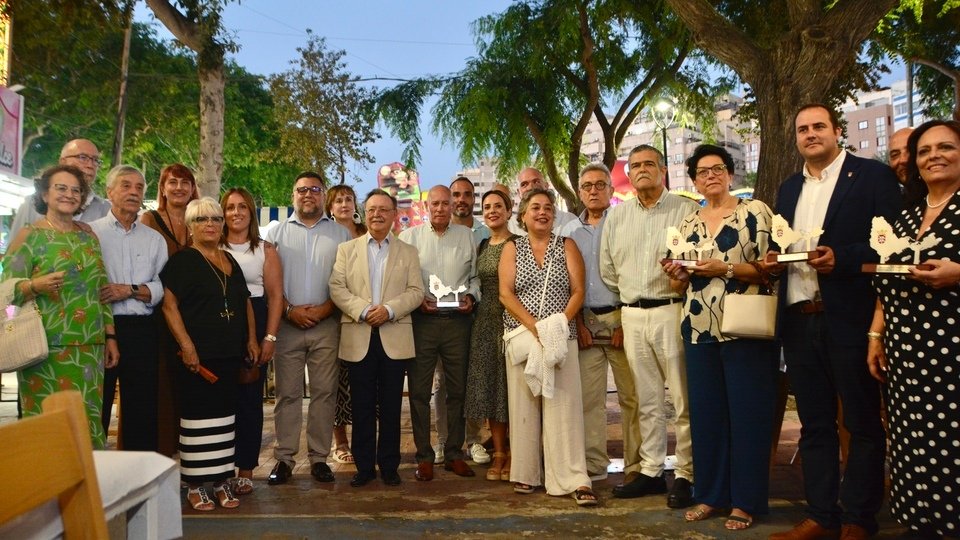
{"points": [[529, 178], [84, 155], [439, 202], [899, 155]]}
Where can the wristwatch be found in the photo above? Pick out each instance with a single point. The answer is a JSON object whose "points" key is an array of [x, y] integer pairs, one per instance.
{"points": [[134, 289], [270, 337], [729, 274]]}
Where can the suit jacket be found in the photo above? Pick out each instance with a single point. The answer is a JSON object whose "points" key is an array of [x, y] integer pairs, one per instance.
{"points": [[865, 188], [402, 290]]}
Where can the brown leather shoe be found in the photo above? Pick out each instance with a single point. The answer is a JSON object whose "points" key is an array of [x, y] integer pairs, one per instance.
{"points": [[459, 467], [424, 471], [853, 532], [807, 529]]}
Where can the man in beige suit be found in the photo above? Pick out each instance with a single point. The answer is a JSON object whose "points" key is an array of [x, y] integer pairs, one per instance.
{"points": [[376, 283]]}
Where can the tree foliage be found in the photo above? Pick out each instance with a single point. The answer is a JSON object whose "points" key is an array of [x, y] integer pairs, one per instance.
{"points": [[926, 33], [790, 52], [543, 70], [324, 116]]}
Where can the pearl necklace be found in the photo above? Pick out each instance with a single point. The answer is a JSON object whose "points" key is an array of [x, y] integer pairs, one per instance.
{"points": [[939, 204]]}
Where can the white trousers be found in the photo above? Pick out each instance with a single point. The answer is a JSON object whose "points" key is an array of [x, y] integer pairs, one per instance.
{"points": [[559, 434], [651, 340]]}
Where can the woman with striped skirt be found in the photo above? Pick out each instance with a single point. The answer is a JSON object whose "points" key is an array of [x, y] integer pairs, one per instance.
{"points": [[207, 307]]}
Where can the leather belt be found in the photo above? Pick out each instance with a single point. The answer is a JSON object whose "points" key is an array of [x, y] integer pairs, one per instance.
{"points": [[442, 315], [643, 303], [807, 307], [603, 310]]}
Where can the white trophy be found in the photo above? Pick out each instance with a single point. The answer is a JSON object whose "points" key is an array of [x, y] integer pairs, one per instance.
{"points": [[784, 236], [677, 246], [886, 243], [439, 290]]}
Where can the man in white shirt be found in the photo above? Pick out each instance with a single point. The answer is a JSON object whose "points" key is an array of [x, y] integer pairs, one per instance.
{"points": [[528, 179]]}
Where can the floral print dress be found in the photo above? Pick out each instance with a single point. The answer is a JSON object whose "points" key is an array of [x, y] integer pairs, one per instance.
{"points": [[74, 320]]}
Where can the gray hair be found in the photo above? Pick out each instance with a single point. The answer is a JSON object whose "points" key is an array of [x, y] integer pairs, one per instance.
{"points": [[204, 206], [122, 170], [596, 167], [525, 202]]}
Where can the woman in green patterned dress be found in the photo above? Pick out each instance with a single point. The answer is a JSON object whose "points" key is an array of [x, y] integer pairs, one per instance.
{"points": [[57, 261]]}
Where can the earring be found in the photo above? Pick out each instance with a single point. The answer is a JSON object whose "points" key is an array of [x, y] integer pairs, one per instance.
{"points": [[357, 218]]}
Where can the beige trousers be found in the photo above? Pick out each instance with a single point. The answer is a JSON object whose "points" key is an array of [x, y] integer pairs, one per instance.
{"points": [[558, 438]]}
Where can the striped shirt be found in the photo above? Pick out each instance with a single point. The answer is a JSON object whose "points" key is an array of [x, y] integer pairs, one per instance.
{"points": [[634, 241]]}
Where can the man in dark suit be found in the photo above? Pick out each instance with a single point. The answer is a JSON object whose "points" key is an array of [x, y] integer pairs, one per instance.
{"points": [[827, 305], [376, 283]]}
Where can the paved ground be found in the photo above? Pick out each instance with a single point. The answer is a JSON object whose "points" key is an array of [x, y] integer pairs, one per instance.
{"points": [[455, 507]]}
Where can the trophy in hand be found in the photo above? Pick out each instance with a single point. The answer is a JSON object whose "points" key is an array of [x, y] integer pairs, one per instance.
{"points": [[439, 290], [677, 246], [783, 236], [886, 243]]}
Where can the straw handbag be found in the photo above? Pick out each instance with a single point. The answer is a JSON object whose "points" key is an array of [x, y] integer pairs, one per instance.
{"points": [[23, 342]]}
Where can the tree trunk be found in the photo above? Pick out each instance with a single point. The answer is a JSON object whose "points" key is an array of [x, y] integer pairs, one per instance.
{"points": [[117, 156], [800, 67], [210, 168], [953, 74]]}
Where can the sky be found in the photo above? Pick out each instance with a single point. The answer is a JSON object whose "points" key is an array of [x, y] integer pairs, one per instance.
{"points": [[382, 38]]}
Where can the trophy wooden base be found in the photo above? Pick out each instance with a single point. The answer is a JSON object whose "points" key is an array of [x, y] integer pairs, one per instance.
{"points": [[686, 263], [801, 256], [872, 268]]}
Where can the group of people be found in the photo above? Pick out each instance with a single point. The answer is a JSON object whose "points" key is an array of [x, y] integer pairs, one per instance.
{"points": [[521, 316]]}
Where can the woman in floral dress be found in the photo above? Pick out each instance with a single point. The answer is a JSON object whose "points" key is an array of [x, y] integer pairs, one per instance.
{"points": [[57, 261]]}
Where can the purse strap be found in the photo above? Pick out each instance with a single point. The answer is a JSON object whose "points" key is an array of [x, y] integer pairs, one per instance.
{"points": [[543, 293], [765, 282]]}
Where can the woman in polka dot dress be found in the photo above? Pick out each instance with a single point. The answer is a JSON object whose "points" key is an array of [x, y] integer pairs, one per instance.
{"points": [[914, 343]]}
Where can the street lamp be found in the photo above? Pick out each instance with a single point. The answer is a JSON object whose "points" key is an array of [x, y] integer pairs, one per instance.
{"points": [[664, 112]]}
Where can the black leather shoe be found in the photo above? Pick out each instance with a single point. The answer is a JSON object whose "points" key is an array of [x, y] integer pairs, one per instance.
{"points": [[390, 478], [280, 474], [362, 478], [321, 471], [641, 485], [681, 494]]}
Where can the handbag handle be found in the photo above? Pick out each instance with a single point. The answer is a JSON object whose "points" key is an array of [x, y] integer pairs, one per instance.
{"points": [[543, 294], [765, 281]]}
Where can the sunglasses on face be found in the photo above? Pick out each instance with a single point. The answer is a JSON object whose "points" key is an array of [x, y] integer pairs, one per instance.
{"points": [[312, 189], [208, 219]]}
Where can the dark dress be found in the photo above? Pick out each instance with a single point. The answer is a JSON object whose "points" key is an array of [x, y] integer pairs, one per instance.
{"points": [[487, 371], [923, 352], [217, 325]]}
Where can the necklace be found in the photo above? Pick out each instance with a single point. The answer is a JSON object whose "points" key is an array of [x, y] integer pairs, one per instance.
{"points": [[226, 313], [939, 204], [173, 228], [54, 227]]}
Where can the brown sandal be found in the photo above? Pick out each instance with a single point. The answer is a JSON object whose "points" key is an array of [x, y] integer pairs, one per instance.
{"points": [[505, 471]]}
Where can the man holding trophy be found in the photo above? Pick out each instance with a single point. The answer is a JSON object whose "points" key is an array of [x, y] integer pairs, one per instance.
{"points": [[441, 328], [823, 222]]}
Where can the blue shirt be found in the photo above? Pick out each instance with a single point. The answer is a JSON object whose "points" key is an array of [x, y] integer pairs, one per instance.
{"points": [[133, 256], [307, 254], [587, 238], [377, 253]]}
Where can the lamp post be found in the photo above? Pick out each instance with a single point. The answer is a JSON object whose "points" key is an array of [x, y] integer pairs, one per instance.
{"points": [[664, 114]]}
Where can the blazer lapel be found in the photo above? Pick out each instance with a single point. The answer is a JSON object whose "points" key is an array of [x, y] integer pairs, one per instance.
{"points": [[364, 269], [848, 176]]}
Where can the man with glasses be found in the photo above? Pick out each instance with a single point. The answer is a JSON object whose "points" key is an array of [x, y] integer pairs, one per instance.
{"points": [[599, 334], [307, 244], [83, 155], [631, 246], [376, 284]]}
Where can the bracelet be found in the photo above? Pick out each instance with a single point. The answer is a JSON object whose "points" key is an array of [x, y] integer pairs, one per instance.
{"points": [[875, 335], [110, 336], [32, 290], [286, 312], [270, 337]]}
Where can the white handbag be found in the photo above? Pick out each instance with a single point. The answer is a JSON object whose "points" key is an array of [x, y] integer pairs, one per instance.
{"points": [[749, 316], [23, 342]]}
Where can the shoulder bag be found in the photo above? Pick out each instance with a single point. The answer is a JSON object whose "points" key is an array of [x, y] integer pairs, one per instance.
{"points": [[23, 341]]}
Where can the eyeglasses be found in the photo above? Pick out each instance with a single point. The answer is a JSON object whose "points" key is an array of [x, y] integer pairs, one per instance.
{"points": [[312, 189], [599, 186], [63, 188], [206, 219], [378, 210], [85, 158], [717, 169]]}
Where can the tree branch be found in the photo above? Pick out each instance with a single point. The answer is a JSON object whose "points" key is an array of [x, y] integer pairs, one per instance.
{"points": [[702, 19], [179, 25]]}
